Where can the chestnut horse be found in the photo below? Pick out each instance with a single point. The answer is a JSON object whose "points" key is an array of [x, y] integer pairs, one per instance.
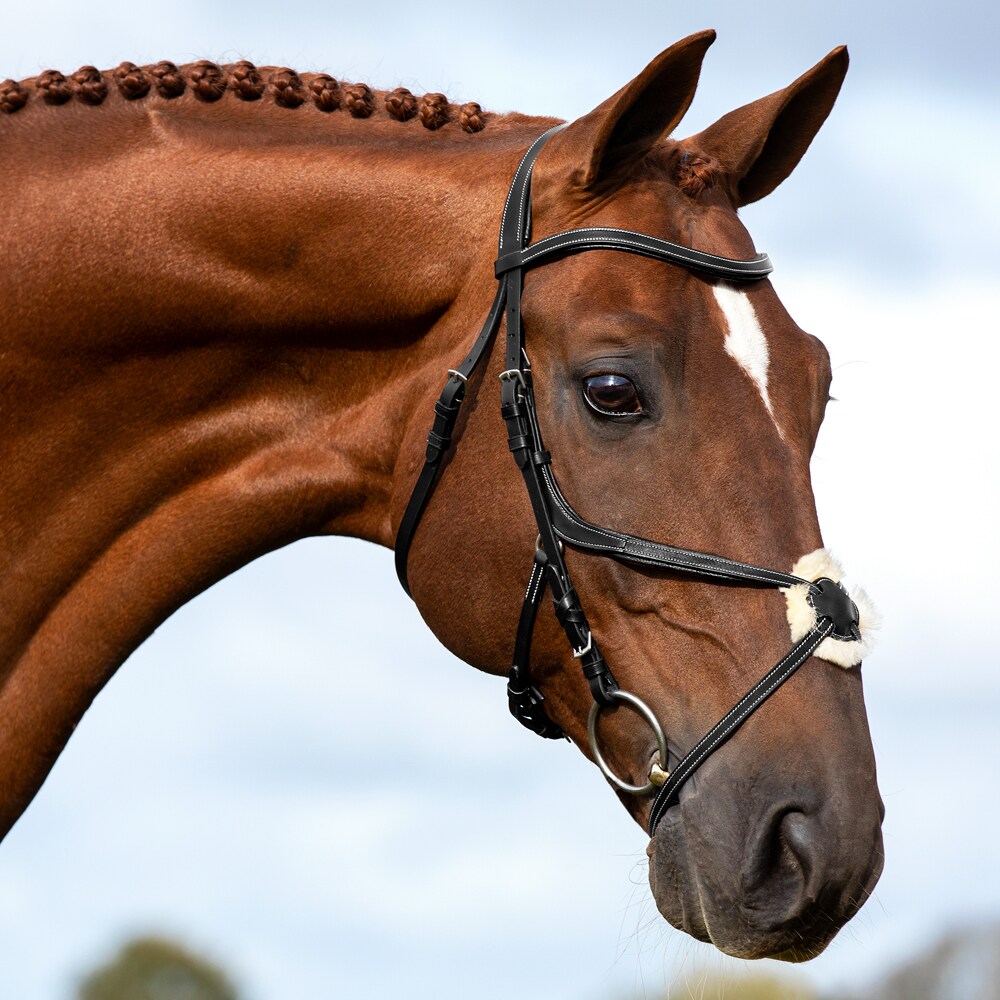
{"points": [[230, 296]]}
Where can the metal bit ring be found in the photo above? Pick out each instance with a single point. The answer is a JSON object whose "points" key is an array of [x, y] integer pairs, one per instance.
{"points": [[647, 713]]}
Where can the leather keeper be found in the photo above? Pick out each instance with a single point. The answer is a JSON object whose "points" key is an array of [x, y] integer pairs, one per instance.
{"points": [[436, 443], [566, 605], [447, 412]]}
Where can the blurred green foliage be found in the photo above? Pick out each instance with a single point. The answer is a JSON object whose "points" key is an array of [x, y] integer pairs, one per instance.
{"points": [[155, 969], [963, 965], [747, 986]]}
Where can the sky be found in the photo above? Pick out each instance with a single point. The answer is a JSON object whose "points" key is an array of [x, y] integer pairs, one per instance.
{"points": [[398, 833]]}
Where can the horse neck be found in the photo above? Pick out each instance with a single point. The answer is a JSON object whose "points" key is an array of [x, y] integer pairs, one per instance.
{"points": [[237, 335]]}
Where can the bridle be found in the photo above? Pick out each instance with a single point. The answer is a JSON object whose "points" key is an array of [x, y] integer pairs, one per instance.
{"points": [[835, 613]]}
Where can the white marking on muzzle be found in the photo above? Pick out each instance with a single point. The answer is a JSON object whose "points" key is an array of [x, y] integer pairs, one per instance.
{"points": [[745, 341], [802, 615]]}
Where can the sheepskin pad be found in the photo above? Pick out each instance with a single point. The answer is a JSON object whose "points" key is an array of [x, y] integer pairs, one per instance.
{"points": [[802, 615]]}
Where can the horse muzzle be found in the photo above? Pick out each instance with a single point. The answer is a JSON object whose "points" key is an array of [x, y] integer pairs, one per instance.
{"points": [[769, 858]]}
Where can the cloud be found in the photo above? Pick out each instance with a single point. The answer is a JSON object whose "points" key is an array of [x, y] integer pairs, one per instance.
{"points": [[904, 473]]}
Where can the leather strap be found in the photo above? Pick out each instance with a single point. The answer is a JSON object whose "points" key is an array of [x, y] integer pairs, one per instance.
{"points": [[735, 718], [515, 223], [570, 527], [600, 238], [513, 228], [446, 411], [525, 441], [523, 699]]}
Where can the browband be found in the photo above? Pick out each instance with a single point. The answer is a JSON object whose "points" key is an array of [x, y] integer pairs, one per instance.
{"points": [[598, 238]]}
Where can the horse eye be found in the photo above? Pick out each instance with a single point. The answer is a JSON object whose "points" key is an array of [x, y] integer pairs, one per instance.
{"points": [[611, 395]]}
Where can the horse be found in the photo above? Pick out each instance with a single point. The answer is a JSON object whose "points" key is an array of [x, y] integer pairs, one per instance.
{"points": [[230, 294]]}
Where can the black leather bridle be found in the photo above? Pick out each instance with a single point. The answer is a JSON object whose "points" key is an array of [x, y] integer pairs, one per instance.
{"points": [[835, 613]]}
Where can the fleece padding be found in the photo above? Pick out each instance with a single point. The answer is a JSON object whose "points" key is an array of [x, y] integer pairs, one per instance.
{"points": [[802, 615]]}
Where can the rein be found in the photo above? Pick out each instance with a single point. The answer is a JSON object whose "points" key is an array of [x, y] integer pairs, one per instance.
{"points": [[835, 613]]}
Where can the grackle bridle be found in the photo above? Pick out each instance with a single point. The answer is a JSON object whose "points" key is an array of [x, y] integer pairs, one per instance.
{"points": [[835, 613]]}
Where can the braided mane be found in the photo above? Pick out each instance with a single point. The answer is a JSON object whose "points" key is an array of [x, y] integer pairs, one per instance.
{"points": [[208, 81]]}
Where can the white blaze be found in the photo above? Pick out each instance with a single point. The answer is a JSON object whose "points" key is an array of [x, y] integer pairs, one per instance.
{"points": [[745, 341]]}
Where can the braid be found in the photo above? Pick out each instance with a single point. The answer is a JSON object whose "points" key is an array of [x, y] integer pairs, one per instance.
{"points": [[89, 85], [471, 117], [433, 111], [285, 85], [13, 97], [167, 79], [53, 87], [245, 81], [132, 82], [325, 92], [401, 104], [207, 80], [359, 100], [694, 173]]}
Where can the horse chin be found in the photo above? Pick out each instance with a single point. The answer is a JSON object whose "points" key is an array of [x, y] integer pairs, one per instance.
{"points": [[745, 943], [715, 895]]}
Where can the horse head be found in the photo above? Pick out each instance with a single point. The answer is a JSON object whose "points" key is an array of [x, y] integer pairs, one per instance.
{"points": [[684, 408], [241, 359]]}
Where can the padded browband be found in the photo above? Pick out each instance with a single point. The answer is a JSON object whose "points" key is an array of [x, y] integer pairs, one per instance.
{"points": [[515, 231], [576, 240]]}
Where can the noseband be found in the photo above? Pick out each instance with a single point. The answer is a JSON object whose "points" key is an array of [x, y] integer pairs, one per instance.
{"points": [[835, 613]]}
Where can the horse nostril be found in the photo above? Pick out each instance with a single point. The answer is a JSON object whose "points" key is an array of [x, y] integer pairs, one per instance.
{"points": [[796, 834], [778, 865]]}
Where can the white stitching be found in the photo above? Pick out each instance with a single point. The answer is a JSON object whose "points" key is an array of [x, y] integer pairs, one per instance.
{"points": [[676, 559], [721, 560], [683, 772], [834, 634], [668, 246], [673, 250], [513, 185], [533, 581], [655, 239], [790, 655], [755, 693]]}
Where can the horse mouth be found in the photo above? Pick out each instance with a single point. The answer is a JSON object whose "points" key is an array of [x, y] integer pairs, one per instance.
{"points": [[783, 894]]}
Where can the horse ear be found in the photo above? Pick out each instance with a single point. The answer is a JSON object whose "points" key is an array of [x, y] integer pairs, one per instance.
{"points": [[603, 145], [758, 146]]}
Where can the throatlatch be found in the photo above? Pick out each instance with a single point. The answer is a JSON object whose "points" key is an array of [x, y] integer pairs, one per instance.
{"points": [[833, 613]]}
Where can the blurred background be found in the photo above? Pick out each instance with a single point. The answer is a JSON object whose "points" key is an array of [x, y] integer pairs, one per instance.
{"points": [[231, 814]]}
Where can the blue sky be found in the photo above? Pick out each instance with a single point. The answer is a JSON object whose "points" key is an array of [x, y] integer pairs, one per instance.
{"points": [[225, 788]]}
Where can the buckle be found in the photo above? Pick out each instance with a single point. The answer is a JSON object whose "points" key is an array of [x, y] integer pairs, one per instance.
{"points": [[583, 650], [513, 373], [457, 374]]}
